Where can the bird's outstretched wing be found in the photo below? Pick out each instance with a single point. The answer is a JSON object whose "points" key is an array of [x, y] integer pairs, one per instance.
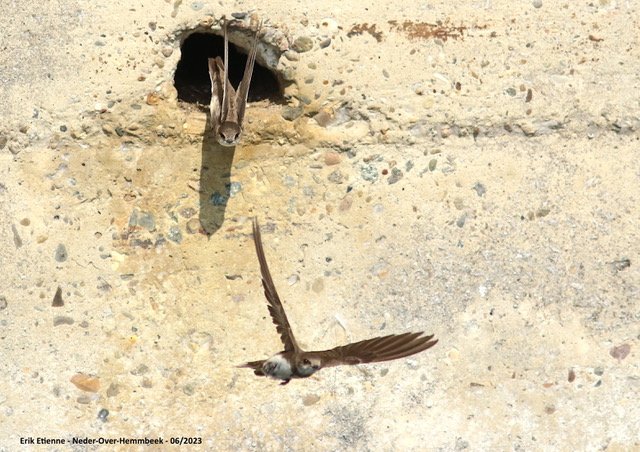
{"points": [[275, 305], [377, 349]]}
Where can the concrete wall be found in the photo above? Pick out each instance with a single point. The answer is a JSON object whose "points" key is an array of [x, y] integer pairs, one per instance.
{"points": [[469, 170]]}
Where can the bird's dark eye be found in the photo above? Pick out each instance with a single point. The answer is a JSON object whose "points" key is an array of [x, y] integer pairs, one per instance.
{"points": [[306, 362]]}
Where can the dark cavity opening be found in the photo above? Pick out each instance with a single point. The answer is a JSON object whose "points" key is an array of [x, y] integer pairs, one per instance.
{"points": [[192, 74]]}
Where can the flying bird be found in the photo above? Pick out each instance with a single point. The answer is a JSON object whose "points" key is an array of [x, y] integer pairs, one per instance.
{"points": [[228, 105], [293, 362]]}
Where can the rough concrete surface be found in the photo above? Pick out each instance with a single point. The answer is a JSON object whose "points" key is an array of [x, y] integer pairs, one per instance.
{"points": [[469, 169]]}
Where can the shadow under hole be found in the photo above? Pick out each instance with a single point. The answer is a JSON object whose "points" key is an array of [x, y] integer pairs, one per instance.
{"points": [[192, 74]]}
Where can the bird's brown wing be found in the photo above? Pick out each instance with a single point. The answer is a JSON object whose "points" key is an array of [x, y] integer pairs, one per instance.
{"points": [[243, 88], [377, 349], [275, 305], [229, 111], [216, 74]]}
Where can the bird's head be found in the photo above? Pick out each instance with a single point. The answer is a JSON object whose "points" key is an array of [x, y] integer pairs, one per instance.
{"points": [[228, 134], [307, 366]]}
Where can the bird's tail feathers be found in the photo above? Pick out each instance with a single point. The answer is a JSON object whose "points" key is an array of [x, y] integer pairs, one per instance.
{"points": [[255, 365]]}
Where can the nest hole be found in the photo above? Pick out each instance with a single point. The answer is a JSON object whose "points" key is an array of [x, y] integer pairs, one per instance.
{"points": [[192, 81]]}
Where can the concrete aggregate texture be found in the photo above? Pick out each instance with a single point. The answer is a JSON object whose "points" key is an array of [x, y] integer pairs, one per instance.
{"points": [[468, 169]]}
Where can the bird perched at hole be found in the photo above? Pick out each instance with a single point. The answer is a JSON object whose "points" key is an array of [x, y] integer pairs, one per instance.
{"points": [[227, 105], [294, 362]]}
